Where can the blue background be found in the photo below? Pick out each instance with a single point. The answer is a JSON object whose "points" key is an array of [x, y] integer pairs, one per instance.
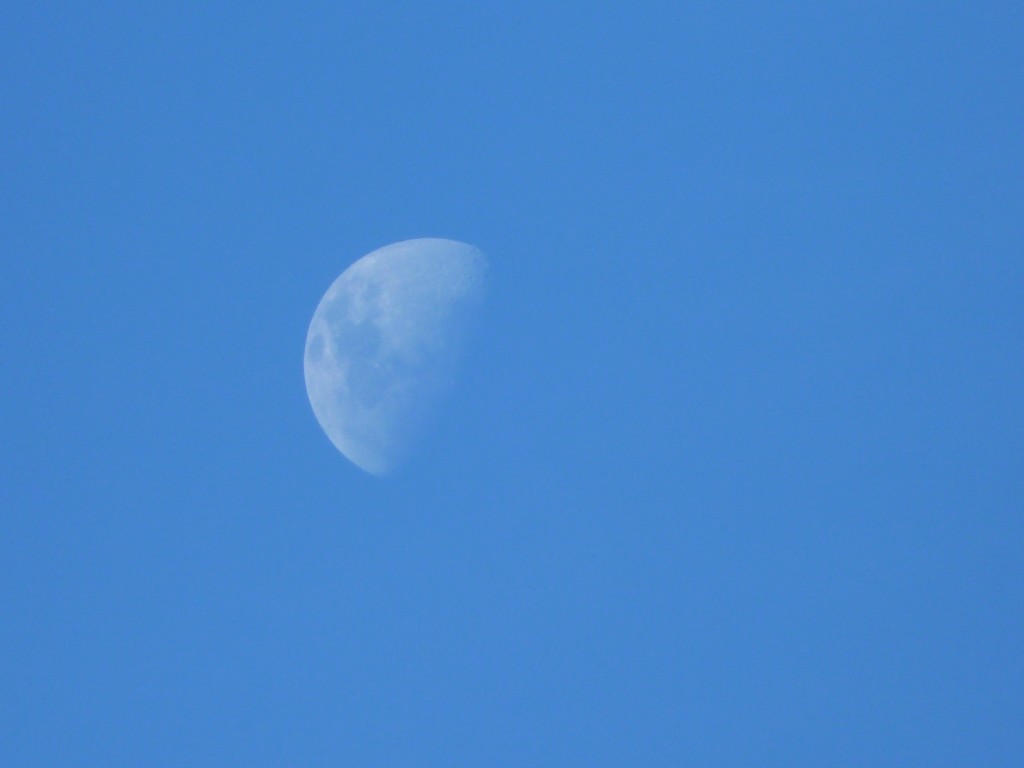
{"points": [[734, 477]]}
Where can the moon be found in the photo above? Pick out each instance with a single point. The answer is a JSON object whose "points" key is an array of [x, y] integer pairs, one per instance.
{"points": [[384, 344]]}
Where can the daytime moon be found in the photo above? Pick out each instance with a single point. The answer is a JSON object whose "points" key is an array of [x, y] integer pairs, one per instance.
{"points": [[384, 344]]}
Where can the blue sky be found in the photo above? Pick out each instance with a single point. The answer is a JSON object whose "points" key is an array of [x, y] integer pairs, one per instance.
{"points": [[734, 476]]}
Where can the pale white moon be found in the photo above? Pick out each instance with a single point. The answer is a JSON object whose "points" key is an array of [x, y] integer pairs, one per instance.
{"points": [[384, 345]]}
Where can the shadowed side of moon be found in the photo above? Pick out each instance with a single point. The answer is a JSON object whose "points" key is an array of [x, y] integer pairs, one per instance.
{"points": [[384, 344]]}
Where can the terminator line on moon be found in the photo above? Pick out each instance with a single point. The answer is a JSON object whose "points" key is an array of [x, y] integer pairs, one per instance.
{"points": [[384, 344]]}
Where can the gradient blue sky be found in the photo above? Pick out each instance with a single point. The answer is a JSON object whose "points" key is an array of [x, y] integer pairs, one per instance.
{"points": [[734, 477]]}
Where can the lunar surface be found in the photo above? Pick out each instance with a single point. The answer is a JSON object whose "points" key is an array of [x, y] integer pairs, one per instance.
{"points": [[384, 345]]}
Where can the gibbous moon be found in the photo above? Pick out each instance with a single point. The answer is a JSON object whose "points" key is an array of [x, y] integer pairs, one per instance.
{"points": [[384, 345]]}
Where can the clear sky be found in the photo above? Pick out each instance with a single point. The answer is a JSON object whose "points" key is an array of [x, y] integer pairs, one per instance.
{"points": [[735, 475]]}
